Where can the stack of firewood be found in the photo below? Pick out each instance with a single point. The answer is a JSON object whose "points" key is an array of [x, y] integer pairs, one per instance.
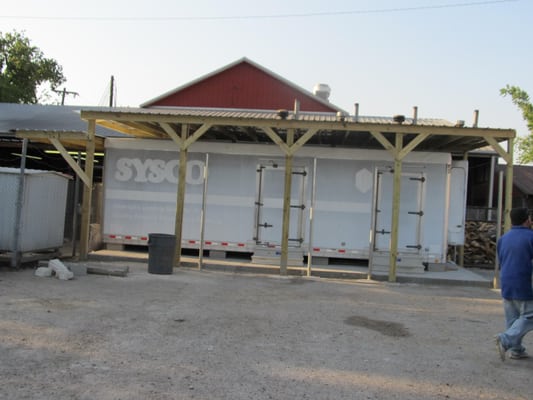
{"points": [[480, 243]]}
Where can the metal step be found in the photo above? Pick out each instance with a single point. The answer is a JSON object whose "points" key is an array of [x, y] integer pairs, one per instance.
{"points": [[272, 256], [406, 263]]}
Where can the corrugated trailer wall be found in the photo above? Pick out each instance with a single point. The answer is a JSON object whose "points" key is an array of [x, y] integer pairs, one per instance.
{"points": [[245, 192]]}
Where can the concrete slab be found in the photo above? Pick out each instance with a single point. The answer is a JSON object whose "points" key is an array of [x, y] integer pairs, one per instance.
{"points": [[460, 276]]}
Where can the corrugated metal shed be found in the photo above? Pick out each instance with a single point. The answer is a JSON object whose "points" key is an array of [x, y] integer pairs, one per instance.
{"points": [[43, 209]]}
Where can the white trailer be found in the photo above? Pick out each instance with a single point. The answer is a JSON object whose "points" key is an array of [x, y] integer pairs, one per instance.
{"points": [[341, 198]]}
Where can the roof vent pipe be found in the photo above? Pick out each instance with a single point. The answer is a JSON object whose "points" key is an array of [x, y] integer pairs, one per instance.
{"points": [[322, 90], [296, 107], [476, 118], [356, 112], [415, 115]]}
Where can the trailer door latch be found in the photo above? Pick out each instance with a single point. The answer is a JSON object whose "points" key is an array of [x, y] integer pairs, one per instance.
{"points": [[420, 213]]}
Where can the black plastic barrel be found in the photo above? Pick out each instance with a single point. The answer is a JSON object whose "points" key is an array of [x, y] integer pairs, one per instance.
{"points": [[161, 248]]}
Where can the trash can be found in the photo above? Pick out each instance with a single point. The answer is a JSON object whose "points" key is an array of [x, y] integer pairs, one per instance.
{"points": [[161, 248]]}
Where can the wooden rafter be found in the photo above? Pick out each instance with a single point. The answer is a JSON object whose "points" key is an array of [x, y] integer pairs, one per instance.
{"points": [[69, 139], [132, 128]]}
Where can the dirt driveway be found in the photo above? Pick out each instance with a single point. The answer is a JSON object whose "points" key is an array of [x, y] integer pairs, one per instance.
{"points": [[214, 335]]}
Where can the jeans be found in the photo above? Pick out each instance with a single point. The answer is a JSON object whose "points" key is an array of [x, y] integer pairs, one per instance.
{"points": [[518, 322]]}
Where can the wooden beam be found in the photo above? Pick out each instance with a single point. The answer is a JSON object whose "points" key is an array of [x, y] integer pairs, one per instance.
{"points": [[70, 139], [383, 140], [397, 187], [500, 150], [172, 133], [196, 135], [87, 192], [302, 140], [60, 135], [275, 122], [412, 144], [130, 128], [276, 139], [70, 161], [147, 128], [180, 201], [286, 207], [508, 186], [80, 144]]}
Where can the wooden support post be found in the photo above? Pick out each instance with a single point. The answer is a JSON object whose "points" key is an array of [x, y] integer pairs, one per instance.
{"points": [[286, 207], [461, 261], [202, 213], [395, 208], [17, 254], [311, 220], [496, 278], [508, 186], [180, 204], [87, 190]]}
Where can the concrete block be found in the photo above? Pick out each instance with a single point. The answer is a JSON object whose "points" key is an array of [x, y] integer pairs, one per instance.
{"points": [[60, 270], [77, 269], [436, 267], [43, 272]]}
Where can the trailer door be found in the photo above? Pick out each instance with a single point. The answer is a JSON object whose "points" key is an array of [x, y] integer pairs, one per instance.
{"points": [[411, 213], [457, 208], [269, 204]]}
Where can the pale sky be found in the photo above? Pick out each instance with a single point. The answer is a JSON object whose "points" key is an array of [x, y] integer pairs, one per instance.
{"points": [[447, 57]]}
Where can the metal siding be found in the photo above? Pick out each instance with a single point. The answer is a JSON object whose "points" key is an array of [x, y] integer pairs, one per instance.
{"points": [[243, 86], [9, 183], [43, 210], [43, 217]]}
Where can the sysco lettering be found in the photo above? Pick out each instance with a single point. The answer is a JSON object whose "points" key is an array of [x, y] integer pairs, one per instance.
{"points": [[157, 171]]}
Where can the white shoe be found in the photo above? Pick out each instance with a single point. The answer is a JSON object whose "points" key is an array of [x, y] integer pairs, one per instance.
{"points": [[518, 356]]}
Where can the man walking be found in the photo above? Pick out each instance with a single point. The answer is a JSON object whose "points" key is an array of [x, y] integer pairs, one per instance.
{"points": [[515, 254]]}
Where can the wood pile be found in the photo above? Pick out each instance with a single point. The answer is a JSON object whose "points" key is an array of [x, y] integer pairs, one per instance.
{"points": [[480, 243]]}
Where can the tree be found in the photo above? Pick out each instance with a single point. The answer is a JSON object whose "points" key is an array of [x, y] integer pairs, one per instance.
{"points": [[23, 69], [524, 145]]}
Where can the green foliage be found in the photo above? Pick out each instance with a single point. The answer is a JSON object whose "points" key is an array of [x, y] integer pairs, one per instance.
{"points": [[23, 69], [524, 145]]}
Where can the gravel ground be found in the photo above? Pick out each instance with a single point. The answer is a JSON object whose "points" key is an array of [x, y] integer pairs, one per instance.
{"points": [[214, 335]]}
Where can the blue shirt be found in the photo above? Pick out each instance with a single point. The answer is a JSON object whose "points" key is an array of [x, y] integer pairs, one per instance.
{"points": [[515, 253]]}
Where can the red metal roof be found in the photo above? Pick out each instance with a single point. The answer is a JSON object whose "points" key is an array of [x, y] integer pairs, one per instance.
{"points": [[242, 85]]}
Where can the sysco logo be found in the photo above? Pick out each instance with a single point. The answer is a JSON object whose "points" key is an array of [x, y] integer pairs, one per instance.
{"points": [[157, 171]]}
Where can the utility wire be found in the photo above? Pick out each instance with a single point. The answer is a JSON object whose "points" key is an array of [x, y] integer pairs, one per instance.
{"points": [[250, 17]]}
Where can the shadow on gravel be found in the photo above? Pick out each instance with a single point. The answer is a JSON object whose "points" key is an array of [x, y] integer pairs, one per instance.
{"points": [[386, 328]]}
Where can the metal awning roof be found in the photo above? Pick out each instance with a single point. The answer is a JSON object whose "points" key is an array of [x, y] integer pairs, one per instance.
{"points": [[45, 121], [338, 130]]}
